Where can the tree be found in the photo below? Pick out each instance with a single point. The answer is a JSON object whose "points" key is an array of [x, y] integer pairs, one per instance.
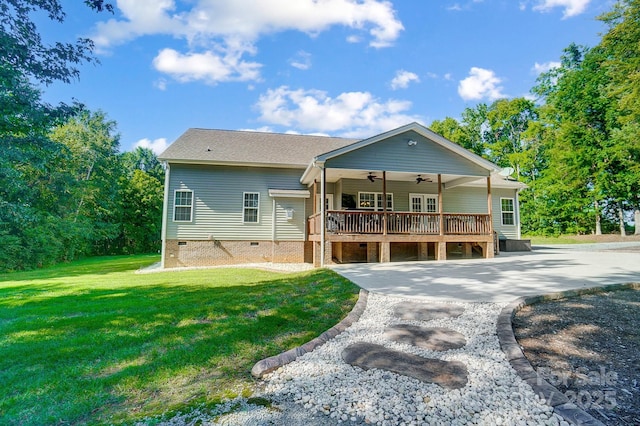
{"points": [[468, 133], [143, 159], [33, 188], [141, 197], [508, 122], [92, 145]]}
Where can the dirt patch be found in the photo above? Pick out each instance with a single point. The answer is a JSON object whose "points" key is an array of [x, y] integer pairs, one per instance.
{"points": [[588, 348]]}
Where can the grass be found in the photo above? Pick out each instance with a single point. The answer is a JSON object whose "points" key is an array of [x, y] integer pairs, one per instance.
{"points": [[93, 343], [582, 239], [562, 239]]}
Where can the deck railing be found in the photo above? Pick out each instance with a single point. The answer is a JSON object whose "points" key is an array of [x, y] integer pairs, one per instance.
{"points": [[368, 222]]}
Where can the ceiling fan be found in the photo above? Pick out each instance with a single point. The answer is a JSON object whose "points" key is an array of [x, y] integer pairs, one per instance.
{"points": [[372, 177], [421, 179]]}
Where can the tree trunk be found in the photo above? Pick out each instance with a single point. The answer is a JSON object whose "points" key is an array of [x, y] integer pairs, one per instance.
{"points": [[621, 219], [637, 222], [598, 226]]}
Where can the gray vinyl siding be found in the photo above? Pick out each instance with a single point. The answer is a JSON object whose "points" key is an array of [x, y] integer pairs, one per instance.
{"points": [[400, 190], [395, 154], [464, 199], [218, 201], [505, 231]]}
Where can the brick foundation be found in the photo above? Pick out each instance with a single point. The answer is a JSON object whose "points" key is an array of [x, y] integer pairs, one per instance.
{"points": [[181, 253]]}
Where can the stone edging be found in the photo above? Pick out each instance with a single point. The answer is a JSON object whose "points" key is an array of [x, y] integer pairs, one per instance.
{"points": [[512, 350], [272, 363]]}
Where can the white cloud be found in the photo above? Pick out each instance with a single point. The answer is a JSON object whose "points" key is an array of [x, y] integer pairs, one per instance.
{"points": [[571, 7], [221, 29], [350, 114], [481, 84], [302, 60], [210, 67], [544, 67], [156, 145], [160, 84], [448, 76], [403, 78]]}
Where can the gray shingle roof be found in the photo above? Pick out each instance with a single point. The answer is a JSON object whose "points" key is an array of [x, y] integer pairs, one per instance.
{"points": [[246, 147]]}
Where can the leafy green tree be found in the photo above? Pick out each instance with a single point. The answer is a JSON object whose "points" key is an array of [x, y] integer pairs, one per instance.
{"points": [[143, 159], [33, 188], [92, 144], [468, 133], [141, 197], [508, 121], [577, 112]]}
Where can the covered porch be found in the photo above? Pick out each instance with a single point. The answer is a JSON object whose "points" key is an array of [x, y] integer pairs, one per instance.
{"points": [[383, 233], [402, 195]]}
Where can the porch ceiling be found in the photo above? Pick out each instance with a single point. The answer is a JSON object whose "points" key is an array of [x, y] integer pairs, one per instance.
{"points": [[334, 175]]}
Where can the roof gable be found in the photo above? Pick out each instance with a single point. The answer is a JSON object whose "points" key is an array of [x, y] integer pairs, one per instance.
{"points": [[407, 130]]}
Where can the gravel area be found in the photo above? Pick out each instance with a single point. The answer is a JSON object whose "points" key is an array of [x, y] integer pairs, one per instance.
{"points": [[319, 388]]}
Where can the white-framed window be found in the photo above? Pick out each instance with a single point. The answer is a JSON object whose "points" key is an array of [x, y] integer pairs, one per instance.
{"points": [[373, 201], [507, 208], [183, 205], [423, 203], [250, 207]]}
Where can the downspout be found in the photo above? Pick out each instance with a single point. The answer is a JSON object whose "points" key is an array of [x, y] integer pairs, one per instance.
{"points": [[517, 207], [273, 230], [440, 206], [323, 212], [489, 205], [165, 213], [384, 202]]}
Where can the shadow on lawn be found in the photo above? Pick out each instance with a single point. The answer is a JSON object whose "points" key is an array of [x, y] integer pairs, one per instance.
{"points": [[139, 350]]}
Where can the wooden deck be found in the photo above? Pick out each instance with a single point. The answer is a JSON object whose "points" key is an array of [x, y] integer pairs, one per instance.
{"points": [[376, 235], [400, 223]]}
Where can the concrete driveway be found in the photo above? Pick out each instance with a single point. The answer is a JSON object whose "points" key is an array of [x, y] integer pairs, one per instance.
{"points": [[504, 278]]}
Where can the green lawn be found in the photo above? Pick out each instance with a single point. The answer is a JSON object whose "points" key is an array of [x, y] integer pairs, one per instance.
{"points": [[562, 239], [92, 342]]}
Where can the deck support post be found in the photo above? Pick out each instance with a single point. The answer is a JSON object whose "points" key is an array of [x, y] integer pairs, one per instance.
{"points": [[466, 250], [385, 252], [441, 251]]}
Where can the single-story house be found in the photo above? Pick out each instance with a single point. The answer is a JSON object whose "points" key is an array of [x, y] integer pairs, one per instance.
{"points": [[406, 194]]}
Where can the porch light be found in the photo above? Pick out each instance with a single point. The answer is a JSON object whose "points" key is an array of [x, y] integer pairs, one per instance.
{"points": [[289, 213], [411, 142]]}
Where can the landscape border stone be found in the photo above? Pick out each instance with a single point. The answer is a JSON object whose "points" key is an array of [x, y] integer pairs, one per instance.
{"points": [[513, 351], [272, 363]]}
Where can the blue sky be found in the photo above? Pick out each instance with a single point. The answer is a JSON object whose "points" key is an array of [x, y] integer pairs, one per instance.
{"points": [[350, 68]]}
